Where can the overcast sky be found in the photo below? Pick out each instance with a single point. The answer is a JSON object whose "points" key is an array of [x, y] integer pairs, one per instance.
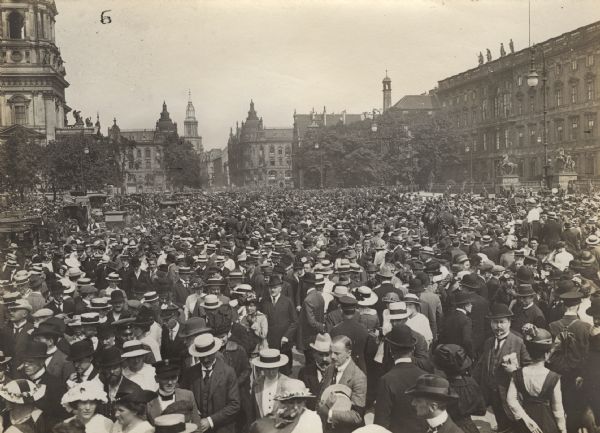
{"points": [[285, 55]]}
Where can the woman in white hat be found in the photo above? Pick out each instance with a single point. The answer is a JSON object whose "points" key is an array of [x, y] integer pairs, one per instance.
{"points": [[82, 400], [23, 417]]}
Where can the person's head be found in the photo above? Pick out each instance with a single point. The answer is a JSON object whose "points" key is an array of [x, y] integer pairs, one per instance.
{"points": [[167, 375], [275, 289], [135, 363], [111, 373], [31, 365], [430, 396], [82, 364], [18, 312], [500, 326], [129, 411], [270, 373], [526, 300], [84, 410], [341, 350], [117, 300], [208, 360], [500, 319], [427, 408], [538, 342]]}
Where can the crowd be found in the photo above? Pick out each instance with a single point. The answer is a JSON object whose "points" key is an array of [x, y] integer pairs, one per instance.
{"points": [[366, 310]]}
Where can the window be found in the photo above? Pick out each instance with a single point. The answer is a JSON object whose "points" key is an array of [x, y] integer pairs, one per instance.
{"points": [[279, 161], [148, 164], [521, 140], [16, 26], [474, 144], [520, 108], [531, 103], [506, 142], [20, 115], [589, 60], [574, 64], [272, 174], [272, 162], [574, 128], [288, 174], [147, 153], [591, 122], [520, 80], [279, 151], [484, 141], [532, 135], [272, 150], [484, 109], [138, 153], [288, 150], [589, 165], [558, 97], [574, 94], [559, 132], [497, 140], [591, 90]]}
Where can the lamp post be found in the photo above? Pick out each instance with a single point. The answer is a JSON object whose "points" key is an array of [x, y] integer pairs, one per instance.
{"points": [[532, 81], [86, 151], [318, 147], [468, 150]]}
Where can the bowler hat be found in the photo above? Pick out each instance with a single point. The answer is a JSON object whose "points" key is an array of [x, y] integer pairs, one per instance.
{"points": [[401, 336], [499, 310], [462, 298], [525, 290], [194, 326], [109, 357], [432, 386], [524, 275], [81, 349], [35, 350], [470, 281], [117, 296]]}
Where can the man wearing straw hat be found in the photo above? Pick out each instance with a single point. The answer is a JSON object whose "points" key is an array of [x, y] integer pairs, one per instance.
{"points": [[270, 380], [312, 373]]}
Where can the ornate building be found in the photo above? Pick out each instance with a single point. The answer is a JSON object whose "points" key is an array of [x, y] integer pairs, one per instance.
{"points": [[145, 169], [190, 127], [258, 156], [32, 73], [496, 113]]}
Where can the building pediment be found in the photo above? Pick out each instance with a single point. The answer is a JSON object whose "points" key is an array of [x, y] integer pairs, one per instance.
{"points": [[21, 130]]}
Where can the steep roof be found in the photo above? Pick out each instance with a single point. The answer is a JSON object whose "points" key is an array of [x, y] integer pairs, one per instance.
{"points": [[416, 102]]}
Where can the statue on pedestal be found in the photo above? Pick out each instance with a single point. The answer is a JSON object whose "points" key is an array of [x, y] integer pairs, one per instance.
{"points": [[564, 161], [480, 58], [506, 167], [78, 118], [488, 54]]}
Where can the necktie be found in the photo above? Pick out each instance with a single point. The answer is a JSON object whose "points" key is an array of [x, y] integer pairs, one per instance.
{"points": [[335, 375], [499, 343], [79, 378], [274, 300], [207, 373]]}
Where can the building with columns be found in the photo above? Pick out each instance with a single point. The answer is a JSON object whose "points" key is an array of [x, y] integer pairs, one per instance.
{"points": [[190, 127], [32, 72], [495, 112]]}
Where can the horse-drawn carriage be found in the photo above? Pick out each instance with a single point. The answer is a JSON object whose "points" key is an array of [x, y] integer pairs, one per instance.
{"points": [[20, 228]]}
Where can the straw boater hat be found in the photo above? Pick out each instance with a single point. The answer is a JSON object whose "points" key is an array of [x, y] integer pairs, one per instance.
{"points": [[133, 348], [22, 391], [211, 302], [204, 345], [173, 423], [365, 296], [270, 358], [113, 277], [397, 311], [91, 390], [100, 304]]}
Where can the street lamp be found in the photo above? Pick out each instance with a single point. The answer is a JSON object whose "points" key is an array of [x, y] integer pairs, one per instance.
{"points": [[533, 79], [317, 147], [86, 151], [468, 150]]}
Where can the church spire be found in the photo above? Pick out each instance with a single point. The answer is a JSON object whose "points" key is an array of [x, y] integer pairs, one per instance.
{"points": [[252, 113]]}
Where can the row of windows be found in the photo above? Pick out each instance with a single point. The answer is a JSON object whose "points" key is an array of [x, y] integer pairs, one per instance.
{"points": [[560, 131], [271, 174]]}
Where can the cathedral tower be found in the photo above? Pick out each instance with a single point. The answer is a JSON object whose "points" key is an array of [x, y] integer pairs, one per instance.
{"points": [[387, 92], [190, 127], [32, 72]]}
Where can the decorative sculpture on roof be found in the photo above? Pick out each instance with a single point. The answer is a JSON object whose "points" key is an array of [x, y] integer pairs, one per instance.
{"points": [[564, 161], [480, 58], [88, 122], [78, 118], [502, 50], [505, 166], [511, 46], [488, 54]]}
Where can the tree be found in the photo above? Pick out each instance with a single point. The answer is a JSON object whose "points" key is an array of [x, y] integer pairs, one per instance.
{"points": [[182, 164], [21, 161]]}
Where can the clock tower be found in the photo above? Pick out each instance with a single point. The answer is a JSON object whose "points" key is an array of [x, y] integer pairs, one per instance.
{"points": [[32, 72]]}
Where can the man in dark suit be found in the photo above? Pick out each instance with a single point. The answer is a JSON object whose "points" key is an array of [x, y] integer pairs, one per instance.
{"points": [[525, 310], [343, 371], [34, 369], [58, 304], [49, 333], [16, 335], [214, 386], [551, 231], [351, 328], [296, 281], [281, 319], [470, 284], [111, 375], [170, 397], [135, 280], [393, 409], [311, 320], [430, 397], [118, 312], [172, 344], [502, 354], [458, 328], [312, 373]]}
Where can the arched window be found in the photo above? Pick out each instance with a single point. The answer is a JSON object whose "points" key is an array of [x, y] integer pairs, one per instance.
{"points": [[271, 149], [16, 26]]}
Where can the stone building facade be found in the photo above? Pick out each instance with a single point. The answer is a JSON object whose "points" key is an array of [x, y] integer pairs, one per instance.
{"points": [[496, 113], [32, 72], [190, 127], [259, 157]]}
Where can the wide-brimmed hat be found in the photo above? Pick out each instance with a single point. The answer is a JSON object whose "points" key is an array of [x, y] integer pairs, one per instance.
{"points": [[21, 277], [270, 358], [136, 396], [397, 311], [150, 297], [22, 391], [43, 313], [100, 304], [385, 272], [525, 290], [20, 304], [322, 343], [81, 349], [90, 318], [46, 328], [205, 345], [113, 277], [89, 390], [592, 240], [499, 310], [451, 358], [339, 291], [342, 394], [292, 389], [470, 281], [173, 423], [211, 302], [194, 326], [365, 296], [432, 386], [401, 336], [134, 348]]}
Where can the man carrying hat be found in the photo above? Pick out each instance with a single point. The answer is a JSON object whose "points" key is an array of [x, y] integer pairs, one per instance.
{"points": [[214, 386], [393, 408], [169, 396], [312, 373], [430, 398], [502, 354]]}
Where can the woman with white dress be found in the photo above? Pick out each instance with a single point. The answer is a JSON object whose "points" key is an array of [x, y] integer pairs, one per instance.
{"points": [[82, 400], [130, 411]]}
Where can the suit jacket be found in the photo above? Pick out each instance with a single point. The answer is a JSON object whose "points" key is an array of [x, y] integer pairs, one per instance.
{"points": [[132, 283], [68, 306], [393, 408], [50, 402], [356, 380], [59, 366], [15, 343], [480, 309], [180, 293], [308, 375], [311, 320], [171, 348], [531, 315], [257, 391], [110, 318], [154, 410], [281, 319], [551, 233], [359, 335], [449, 427], [489, 372], [458, 329], [221, 401]]}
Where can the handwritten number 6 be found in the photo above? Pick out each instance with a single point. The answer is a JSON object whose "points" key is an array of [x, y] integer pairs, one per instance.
{"points": [[105, 19]]}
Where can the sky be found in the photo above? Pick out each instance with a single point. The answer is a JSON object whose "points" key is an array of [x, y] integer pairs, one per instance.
{"points": [[286, 55]]}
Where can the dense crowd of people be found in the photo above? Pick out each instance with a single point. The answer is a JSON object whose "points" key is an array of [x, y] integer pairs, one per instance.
{"points": [[365, 310]]}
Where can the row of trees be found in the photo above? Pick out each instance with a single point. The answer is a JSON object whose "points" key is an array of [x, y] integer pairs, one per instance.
{"points": [[361, 154], [86, 163]]}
